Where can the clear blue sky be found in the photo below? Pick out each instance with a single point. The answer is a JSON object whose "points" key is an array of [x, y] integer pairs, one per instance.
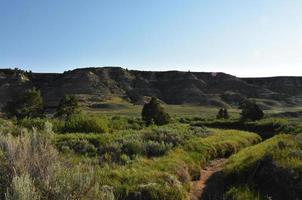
{"points": [[241, 37]]}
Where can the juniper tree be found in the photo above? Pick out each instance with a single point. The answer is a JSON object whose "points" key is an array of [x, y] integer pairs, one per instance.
{"points": [[250, 111], [30, 105], [153, 112], [68, 106]]}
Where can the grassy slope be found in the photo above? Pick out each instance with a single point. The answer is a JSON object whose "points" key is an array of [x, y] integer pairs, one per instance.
{"points": [[276, 162], [168, 177]]}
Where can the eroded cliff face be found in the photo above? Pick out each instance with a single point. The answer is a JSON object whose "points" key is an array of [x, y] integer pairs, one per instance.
{"points": [[93, 85], [285, 85]]}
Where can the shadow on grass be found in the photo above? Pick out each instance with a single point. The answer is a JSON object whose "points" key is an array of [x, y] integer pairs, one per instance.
{"points": [[215, 186]]}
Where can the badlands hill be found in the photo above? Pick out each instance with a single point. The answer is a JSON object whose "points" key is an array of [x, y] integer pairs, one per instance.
{"points": [[94, 85]]}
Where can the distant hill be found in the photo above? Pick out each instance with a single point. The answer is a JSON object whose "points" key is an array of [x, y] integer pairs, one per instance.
{"points": [[94, 85]]}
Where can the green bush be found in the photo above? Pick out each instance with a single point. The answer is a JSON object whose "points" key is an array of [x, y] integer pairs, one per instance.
{"points": [[123, 123], [8, 127], [154, 149], [58, 125], [30, 123], [165, 135], [30, 168], [200, 131], [29, 105], [132, 147], [90, 144], [79, 146], [136, 123], [69, 105], [22, 188], [153, 112], [118, 123], [86, 124], [250, 111]]}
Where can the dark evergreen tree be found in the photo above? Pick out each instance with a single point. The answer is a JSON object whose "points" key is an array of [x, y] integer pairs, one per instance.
{"points": [[153, 112], [222, 114], [30, 105], [225, 114], [250, 111], [68, 106]]}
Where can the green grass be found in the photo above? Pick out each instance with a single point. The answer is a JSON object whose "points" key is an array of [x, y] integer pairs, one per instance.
{"points": [[121, 107], [118, 155], [266, 128], [280, 148], [169, 176], [187, 110], [140, 162], [276, 161], [243, 193], [164, 177]]}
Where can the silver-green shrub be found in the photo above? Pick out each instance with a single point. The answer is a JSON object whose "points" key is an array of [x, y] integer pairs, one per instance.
{"points": [[22, 188], [30, 168]]}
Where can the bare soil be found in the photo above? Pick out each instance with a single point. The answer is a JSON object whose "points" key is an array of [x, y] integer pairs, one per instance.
{"points": [[198, 186]]}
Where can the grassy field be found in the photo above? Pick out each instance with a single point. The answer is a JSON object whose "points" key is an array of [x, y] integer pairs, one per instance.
{"points": [[118, 107], [109, 153], [165, 176]]}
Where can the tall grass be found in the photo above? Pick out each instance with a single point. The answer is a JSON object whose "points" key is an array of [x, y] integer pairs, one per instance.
{"points": [[276, 162], [30, 168], [168, 176]]}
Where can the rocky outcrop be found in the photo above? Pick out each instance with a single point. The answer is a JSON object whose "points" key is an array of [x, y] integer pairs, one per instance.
{"points": [[285, 85], [94, 85]]}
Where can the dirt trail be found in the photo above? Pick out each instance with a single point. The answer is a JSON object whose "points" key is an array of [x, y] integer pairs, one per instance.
{"points": [[199, 186]]}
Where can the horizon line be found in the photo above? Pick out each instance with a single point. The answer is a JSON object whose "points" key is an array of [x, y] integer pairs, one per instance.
{"points": [[133, 69]]}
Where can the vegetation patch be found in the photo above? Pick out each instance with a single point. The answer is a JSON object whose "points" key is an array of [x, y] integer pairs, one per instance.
{"points": [[151, 142], [169, 176], [266, 128], [85, 124], [276, 162]]}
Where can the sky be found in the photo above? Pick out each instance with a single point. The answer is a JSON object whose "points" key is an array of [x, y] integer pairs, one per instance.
{"points": [[246, 38]]}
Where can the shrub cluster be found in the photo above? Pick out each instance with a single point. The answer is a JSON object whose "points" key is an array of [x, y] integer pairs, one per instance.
{"points": [[127, 145], [30, 166], [29, 105], [153, 112], [168, 176], [123, 123], [154, 148], [32, 123], [165, 135], [85, 124], [31, 169], [132, 147], [266, 128]]}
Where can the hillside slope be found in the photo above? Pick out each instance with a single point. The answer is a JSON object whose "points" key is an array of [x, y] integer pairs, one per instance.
{"points": [[93, 85]]}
